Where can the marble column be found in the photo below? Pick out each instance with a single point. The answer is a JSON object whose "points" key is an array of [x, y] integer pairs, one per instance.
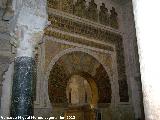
{"points": [[28, 32], [147, 19], [22, 88], [22, 91]]}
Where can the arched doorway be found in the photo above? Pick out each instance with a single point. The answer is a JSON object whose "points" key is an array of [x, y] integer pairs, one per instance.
{"points": [[82, 95], [85, 67], [80, 92]]}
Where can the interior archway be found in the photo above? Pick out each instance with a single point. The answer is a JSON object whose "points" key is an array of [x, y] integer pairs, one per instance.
{"points": [[87, 90], [83, 64], [78, 91]]}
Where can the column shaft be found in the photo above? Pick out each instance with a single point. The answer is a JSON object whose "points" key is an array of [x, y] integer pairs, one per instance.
{"points": [[22, 90]]}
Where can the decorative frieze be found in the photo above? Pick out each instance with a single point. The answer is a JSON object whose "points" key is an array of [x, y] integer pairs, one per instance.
{"points": [[92, 11], [73, 39], [113, 18], [79, 8], [104, 15], [67, 6], [80, 28]]}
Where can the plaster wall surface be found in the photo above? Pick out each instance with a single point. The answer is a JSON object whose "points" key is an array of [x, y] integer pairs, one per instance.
{"points": [[132, 58], [6, 92]]}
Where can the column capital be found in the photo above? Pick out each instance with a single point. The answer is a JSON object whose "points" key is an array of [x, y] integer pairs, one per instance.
{"points": [[28, 26]]}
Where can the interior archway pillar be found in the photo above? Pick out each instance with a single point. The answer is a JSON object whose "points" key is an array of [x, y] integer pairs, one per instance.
{"points": [[28, 32]]}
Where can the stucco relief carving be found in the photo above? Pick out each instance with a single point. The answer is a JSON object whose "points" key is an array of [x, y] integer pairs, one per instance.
{"points": [[92, 11], [113, 18], [80, 8], [89, 12], [93, 32], [67, 6], [55, 4], [104, 15]]}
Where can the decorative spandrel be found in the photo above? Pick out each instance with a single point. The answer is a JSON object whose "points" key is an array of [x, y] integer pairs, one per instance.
{"points": [[104, 15], [79, 8], [113, 18], [92, 11]]}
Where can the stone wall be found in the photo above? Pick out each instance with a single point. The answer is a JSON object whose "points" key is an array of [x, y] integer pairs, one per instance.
{"points": [[132, 59], [5, 53]]}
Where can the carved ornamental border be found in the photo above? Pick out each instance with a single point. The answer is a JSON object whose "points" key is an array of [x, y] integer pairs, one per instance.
{"points": [[69, 25], [80, 8]]}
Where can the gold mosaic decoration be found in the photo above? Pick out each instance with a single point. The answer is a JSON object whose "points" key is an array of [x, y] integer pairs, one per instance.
{"points": [[75, 63], [86, 30], [90, 12], [70, 26], [77, 40]]}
